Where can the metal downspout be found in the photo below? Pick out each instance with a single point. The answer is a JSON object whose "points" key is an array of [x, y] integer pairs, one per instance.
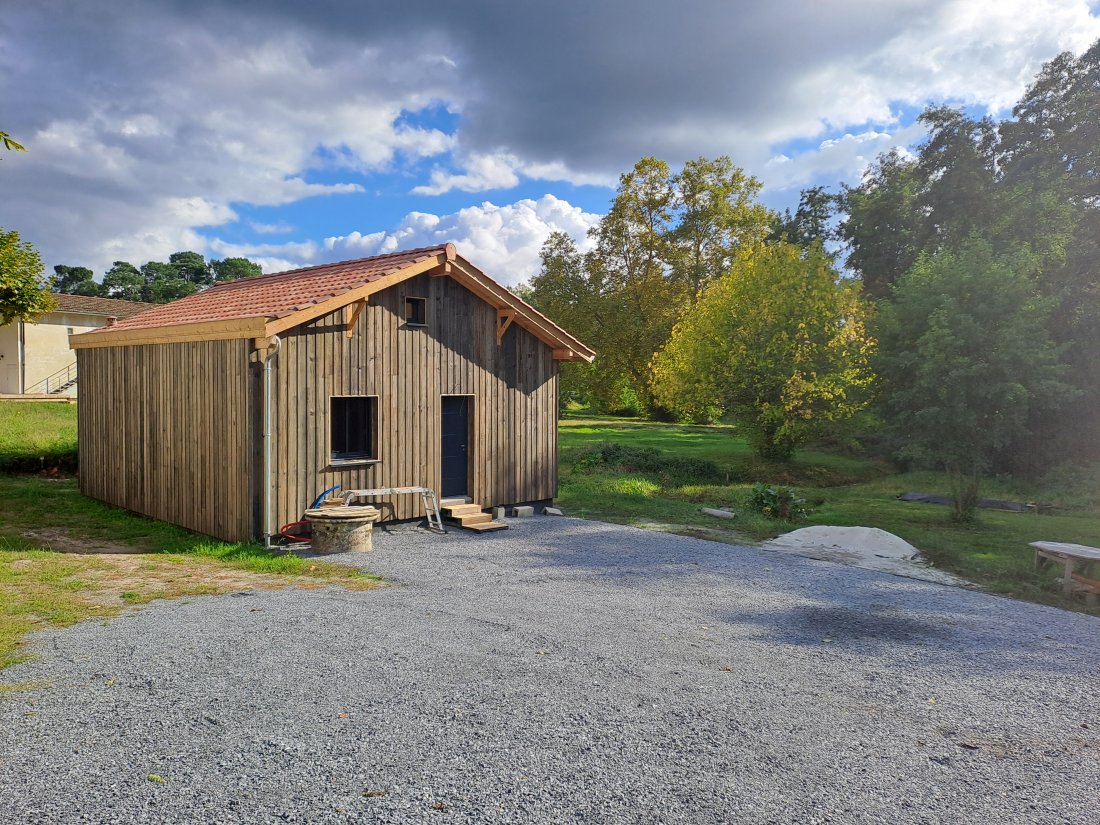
{"points": [[269, 530]]}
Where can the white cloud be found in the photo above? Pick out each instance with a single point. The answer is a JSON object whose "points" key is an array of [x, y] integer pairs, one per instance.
{"points": [[502, 240], [841, 158], [277, 228], [132, 164], [982, 52], [481, 172], [134, 149]]}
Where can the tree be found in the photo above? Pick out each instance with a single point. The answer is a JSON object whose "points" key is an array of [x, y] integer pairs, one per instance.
{"points": [[24, 287], [779, 341], [812, 221], [163, 283], [75, 280], [956, 173], [123, 281], [234, 269], [191, 266], [664, 238], [883, 225], [965, 359], [716, 213]]}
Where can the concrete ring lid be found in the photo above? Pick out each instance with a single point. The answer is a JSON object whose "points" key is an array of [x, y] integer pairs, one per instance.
{"points": [[360, 512]]}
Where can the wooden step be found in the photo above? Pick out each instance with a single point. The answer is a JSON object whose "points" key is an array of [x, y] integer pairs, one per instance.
{"points": [[487, 526], [470, 519], [456, 510]]}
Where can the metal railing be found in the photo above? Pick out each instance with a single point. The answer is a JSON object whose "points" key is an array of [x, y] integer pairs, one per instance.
{"points": [[58, 382]]}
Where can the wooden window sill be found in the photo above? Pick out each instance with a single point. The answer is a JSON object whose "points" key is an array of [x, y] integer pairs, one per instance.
{"points": [[342, 463]]}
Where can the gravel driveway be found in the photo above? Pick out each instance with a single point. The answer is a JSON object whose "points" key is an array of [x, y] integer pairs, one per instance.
{"points": [[565, 671]]}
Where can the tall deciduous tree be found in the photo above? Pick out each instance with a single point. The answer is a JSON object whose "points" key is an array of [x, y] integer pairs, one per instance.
{"points": [[779, 341], [965, 359], [812, 222], [883, 225], [664, 238], [24, 287]]}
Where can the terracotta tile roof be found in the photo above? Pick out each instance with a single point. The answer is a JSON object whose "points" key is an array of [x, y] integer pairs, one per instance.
{"points": [[111, 307], [276, 295]]}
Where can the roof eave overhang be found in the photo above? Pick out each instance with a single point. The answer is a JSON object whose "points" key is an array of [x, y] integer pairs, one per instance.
{"points": [[563, 345]]}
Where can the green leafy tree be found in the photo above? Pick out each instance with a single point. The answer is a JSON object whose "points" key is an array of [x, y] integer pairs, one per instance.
{"points": [[75, 280], [123, 281], [716, 214], [191, 266], [234, 269], [163, 283], [779, 342], [664, 238], [24, 287], [965, 360], [812, 221], [1050, 157], [883, 225]]}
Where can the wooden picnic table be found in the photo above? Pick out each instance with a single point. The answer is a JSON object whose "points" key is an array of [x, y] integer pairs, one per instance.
{"points": [[1071, 557]]}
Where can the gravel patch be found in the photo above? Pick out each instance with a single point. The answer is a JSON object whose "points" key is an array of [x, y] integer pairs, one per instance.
{"points": [[565, 671]]}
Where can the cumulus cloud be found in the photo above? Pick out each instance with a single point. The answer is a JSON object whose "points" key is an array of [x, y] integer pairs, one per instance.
{"points": [[502, 240], [843, 158], [130, 150], [147, 120]]}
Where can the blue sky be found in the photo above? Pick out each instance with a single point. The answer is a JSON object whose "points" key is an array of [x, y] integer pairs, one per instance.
{"points": [[298, 134]]}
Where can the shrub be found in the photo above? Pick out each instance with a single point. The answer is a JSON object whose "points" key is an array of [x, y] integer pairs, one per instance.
{"points": [[777, 502], [649, 461]]}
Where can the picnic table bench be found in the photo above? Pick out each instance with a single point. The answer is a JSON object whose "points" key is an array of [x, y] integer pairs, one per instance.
{"points": [[1076, 560]]}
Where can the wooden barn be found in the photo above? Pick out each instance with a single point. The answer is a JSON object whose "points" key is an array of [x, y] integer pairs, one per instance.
{"points": [[230, 411]]}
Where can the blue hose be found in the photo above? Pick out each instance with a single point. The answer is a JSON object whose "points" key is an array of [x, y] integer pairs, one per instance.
{"points": [[321, 497]]}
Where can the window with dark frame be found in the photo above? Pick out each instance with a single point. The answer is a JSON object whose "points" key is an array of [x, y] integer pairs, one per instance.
{"points": [[354, 423], [416, 310]]}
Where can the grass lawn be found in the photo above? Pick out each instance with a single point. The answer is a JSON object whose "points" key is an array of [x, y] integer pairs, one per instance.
{"points": [[842, 490], [37, 436], [39, 515]]}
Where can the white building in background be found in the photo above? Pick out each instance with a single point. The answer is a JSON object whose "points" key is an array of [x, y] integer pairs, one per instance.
{"points": [[35, 357]]}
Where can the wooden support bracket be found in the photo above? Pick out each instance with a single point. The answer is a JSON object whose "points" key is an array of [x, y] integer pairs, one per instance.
{"points": [[504, 320], [352, 313], [444, 268]]}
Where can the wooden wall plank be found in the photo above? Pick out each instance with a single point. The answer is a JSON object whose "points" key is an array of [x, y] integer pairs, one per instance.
{"points": [[514, 417], [173, 431], [161, 432]]}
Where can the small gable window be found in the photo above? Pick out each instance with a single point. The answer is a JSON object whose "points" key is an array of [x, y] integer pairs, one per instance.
{"points": [[354, 427], [416, 312]]}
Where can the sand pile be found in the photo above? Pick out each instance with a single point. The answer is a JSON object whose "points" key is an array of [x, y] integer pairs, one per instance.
{"points": [[866, 547]]}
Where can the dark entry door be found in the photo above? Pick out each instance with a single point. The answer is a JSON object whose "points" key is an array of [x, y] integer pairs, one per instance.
{"points": [[455, 447]]}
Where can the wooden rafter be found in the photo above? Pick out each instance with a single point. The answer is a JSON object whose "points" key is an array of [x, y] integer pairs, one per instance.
{"points": [[504, 320], [352, 313]]}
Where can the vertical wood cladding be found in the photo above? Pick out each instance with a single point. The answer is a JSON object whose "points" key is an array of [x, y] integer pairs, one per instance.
{"points": [[165, 430], [173, 431], [513, 446]]}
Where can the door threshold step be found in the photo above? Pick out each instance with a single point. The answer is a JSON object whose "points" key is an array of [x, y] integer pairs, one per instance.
{"points": [[456, 510], [486, 526]]}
